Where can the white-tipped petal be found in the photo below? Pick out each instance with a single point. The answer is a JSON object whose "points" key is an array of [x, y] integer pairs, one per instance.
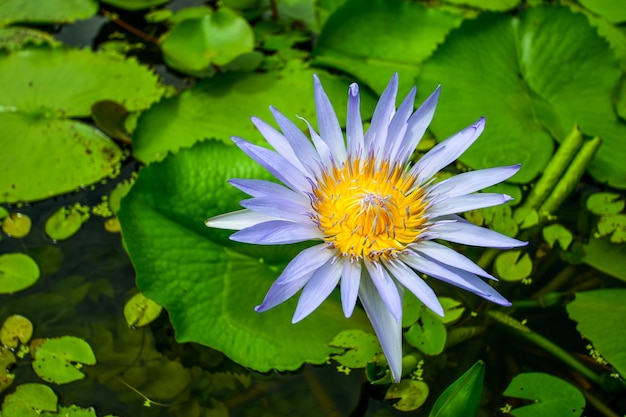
{"points": [[279, 208], [385, 109], [448, 256], [398, 125], [472, 181], [387, 288], [466, 233], [465, 203], [280, 144], [305, 263], [301, 145], [237, 220], [354, 124], [350, 280], [407, 277], [262, 188], [277, 232], [417, 125], [388, 329]]}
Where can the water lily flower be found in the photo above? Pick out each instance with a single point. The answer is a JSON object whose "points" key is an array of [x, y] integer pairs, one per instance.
{"points": [[377, 215]]}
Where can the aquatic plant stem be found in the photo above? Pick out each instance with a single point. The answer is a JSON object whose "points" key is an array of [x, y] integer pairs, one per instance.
{"points": [[113, 17], [515, 327]]}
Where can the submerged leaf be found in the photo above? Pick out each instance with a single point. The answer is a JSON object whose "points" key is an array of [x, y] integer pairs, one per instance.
{"points": [[552, 396]]}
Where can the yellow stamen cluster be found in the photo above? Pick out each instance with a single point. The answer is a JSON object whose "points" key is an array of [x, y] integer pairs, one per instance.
{"points": [[369, 210]]}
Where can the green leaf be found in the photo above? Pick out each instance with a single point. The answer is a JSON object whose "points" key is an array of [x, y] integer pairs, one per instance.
{"points": [[552, 396], [511, 267], [428, 333], [135, 4], [140, 310], [39, 90], [13, 38], [194, 45], [462, 397], [613, 11], [452, 310], [43, 11], [605, 203], [18, 271], [16, 225], [492, 5], [530, 92], [7, 362], [16, 329], [221, 108], [59, 359], [373, 39], [65, 222], [412, 394], [606, 257], [208, 284], [614, 225], [71, 411], [360, 348], [28, 400], [600, 315], [557, 233]]}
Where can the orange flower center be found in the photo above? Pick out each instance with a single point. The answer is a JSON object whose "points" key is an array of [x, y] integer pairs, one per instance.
{"points": [[369, 211]]}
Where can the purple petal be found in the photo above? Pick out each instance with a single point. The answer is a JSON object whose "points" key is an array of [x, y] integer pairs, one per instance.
{"points": [[279, 208], [275, 164], [277, 232], [262, 188], [319, 287], [280, 144], [327, 122], [407, 277], [466, 233], [387, 328], [398, 125], [237, 220], [448, 151], [386, 287], [354, 124], [305, 263], [279, 293], [472, 181], [350, 279], [449, 256], [377, 133], [454, 276], [321, 146], [417, 125], [301, 145], [464, 203]]}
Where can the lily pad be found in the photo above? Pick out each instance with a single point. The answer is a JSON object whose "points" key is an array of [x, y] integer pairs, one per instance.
{"points": [[40, 89], [58, 360], [600, 315], [194, 45], [16, 225], [412, 394], [531, 98], [71, 411], [613, 11], [13, 38], [491, 5], [552, 396], [7, 362], [512, 266], [18, 271], [135, 4], [372, 39], [613, 225], [221, 108], [557, 233], [606, 257], [16, 329], [29, 400], [462, 397], [140, 310], [43, 11], [360, 348], [209, 284], [605, 203], [65, 222], [428, 333]]}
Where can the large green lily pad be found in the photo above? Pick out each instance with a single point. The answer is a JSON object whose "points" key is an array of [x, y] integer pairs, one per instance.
{"points": [[372, 39], [600, 315], [41, 89], [44, 11], [208, 284], [533, 77], [221, 107]]}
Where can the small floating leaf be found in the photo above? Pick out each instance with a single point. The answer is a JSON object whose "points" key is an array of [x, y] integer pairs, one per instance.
{"points": [[360, 347], [510, 267], [7, 361], [605, 203], [18, 271], [462, 397], [428, 334], [140, 310], [15, 330], [557, 233], [614, 225], [16, 225], [64, 223], [43, 11], [58, 360], [452, 310], [29, 400], [135, 4], [412, 394], [71, 411], [552, 396]]}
